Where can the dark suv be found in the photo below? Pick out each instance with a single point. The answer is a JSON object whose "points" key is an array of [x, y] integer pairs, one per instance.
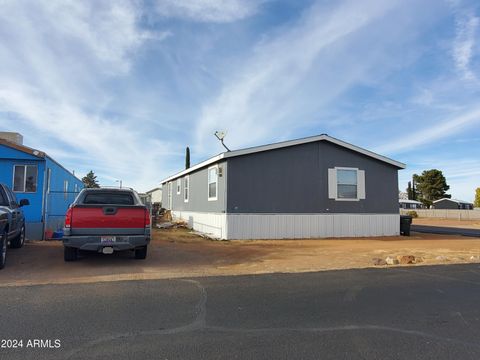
{"points": [[12, 222]]}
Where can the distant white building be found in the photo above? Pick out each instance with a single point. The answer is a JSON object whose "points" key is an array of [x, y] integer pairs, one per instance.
{"points": [[155, 195], [410, 204]]}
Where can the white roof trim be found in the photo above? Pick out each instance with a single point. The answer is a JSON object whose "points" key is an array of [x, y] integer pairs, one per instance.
{"points": [[284, 144], [406, 201], [195, 167], [454, 200]]}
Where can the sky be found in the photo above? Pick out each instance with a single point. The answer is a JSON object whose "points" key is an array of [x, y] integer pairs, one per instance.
{"points": [[122, 87]]}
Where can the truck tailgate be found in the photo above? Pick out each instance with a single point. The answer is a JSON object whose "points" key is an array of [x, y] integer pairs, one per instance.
{"points": [[108, 220]]}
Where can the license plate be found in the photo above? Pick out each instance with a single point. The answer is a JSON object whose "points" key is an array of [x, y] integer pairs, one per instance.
{"points": [[108, 239]]}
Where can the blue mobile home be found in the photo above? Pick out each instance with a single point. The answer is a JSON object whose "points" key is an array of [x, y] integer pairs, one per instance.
{"points": [[35, 176]]}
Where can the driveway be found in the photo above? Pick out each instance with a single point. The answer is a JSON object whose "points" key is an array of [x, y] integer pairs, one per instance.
{"points": [[426, 312], [176, 253]]}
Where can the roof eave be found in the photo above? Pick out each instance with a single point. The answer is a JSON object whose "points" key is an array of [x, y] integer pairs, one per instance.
{"points": [[285, 144]]}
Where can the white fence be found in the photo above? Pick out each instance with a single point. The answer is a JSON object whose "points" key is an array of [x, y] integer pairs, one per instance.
{"points": [[445, 213]]}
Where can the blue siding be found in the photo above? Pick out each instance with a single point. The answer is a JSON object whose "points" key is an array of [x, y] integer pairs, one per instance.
{"points": [[10, 157], [59, 198], [45, 213], [10, 153]]}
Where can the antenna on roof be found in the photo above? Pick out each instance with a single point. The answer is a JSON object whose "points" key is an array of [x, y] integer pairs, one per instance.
{"points": [[220, 135]]}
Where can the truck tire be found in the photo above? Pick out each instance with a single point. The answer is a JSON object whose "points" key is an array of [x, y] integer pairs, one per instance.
{"points": [[3, 250], [70, 253], [19, 240], [141, 253]]}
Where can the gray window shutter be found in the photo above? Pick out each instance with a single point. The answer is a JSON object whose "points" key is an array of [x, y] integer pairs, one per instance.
{"points": [[361, 184], [332, 183]]}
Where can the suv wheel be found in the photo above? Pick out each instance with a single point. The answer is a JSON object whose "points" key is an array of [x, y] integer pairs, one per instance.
{"points": [[141, 253], [19, 240], [3, 250], [70, 253]]}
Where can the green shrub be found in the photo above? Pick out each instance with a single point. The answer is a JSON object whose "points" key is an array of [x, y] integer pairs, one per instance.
{"points": [[412, 213]]}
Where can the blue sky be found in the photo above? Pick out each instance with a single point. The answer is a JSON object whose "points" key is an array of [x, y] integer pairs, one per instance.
{"points": [[121, 87]]}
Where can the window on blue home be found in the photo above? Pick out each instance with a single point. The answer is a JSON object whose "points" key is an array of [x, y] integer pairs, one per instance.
{"points": [[65, 189], [25, 178]]}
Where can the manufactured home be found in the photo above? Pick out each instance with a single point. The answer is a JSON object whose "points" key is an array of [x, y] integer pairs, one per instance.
{"points": [[33, 175], [306, 188], [454, 204], [410, 204]]}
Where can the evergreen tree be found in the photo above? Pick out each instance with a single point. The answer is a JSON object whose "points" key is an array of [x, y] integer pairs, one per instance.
{"points": [[90, 180], [414, 190], [431, 186], [187, 158], [409, 191]]}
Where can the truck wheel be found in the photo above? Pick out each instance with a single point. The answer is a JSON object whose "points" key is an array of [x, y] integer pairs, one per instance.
{"points": [[3, 250], [19, 240], [70, 253], [141, 253]]}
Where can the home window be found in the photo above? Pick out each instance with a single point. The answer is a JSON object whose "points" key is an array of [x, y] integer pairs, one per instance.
{"points": [[346, 184], [212, 183], [25, 178], [179, 186], [49, 178], [65, 189], [186, 183]]}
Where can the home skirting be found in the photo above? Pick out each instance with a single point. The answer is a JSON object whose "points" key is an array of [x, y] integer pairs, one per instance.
{"points": [[290, 226]]}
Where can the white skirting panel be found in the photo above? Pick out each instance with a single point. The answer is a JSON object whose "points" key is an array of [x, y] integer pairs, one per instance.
{"points": [[214, 224], [303, 226]]}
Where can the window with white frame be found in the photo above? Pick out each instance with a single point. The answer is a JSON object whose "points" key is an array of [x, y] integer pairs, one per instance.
{"points": [[186, 192], [179, 186], [65, 189], [49, 180], [25, 178], [212, 183], [346, 184]]}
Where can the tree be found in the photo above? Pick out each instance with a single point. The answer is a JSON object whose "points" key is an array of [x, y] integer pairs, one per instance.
{"points": [[90, 180], [187, 158], [414, 190], [409, 191], [476, 203], [431, 186]]}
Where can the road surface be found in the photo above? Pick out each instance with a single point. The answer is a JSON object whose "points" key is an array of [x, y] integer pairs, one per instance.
{"points": [[398, 313], [445, 230]]}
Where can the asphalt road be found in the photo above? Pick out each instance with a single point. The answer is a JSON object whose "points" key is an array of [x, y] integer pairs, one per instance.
{"points": [[445, 230], [396, 313]]}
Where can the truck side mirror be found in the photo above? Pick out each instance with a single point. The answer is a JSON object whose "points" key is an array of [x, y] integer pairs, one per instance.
{"points": [[24, 202]]}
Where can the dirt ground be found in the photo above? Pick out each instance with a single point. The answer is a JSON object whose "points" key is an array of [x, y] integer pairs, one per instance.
{"points": [[466, 224], [177, 253]]}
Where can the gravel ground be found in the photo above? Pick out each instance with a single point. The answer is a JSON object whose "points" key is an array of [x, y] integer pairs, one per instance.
{"points": [[177, 253]]}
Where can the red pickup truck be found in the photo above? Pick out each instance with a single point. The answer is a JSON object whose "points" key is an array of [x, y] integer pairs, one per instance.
{"points": [[106, 220]]}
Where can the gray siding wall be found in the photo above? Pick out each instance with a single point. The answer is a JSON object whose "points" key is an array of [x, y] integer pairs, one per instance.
{"points": [[295, 180], [446, 204], [198, 200]]}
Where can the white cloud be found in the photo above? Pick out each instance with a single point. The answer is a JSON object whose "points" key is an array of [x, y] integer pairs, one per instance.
{"points": [[255, 100], [466, 25], [55, 59], [217, 11], [444, 129]]}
